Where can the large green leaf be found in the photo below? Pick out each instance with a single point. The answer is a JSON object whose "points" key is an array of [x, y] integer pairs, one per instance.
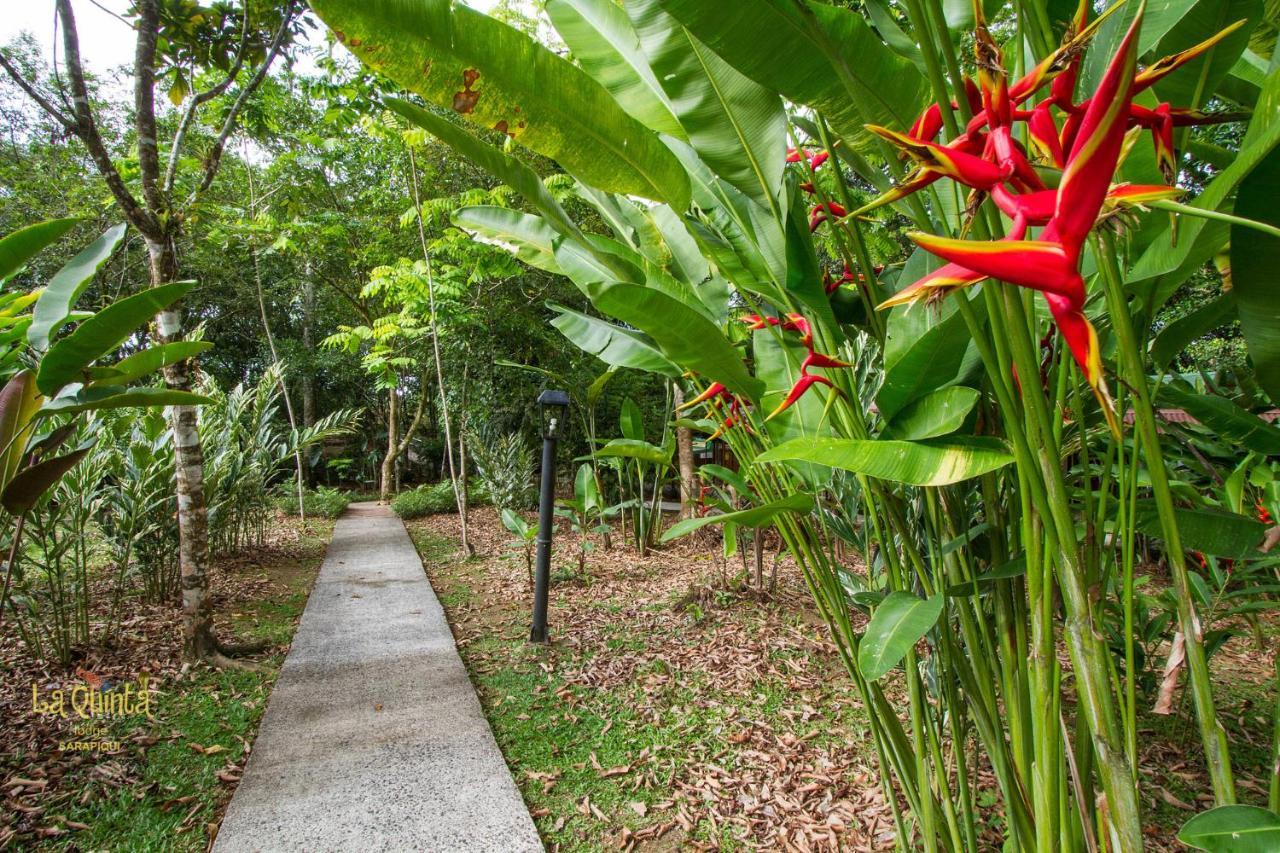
{"points": [[1165, 263], [100, 334], [939, 413], [778, 366], [1233, 829], [102, 397], [1216, 532], [631, 420], [1227, 420], [501, 165], [611, 343], [19, 402], [685, 336], [631, 448], [897, 624], [1255, 259], [926, 350], [602, 41], [825, 57], [934, 462], [60, 295], [803, 281], [25, 243], [594, 266], [154, 358], [25, 489], [529, 238], [737, 127], [756, 516], [498, 77], [1176, 336]]}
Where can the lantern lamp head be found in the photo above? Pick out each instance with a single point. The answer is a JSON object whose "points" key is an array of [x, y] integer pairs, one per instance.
{"points": [[553, 405]]}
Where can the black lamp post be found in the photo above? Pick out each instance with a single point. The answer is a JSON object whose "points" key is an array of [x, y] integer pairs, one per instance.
{"points": [[553, 405]]}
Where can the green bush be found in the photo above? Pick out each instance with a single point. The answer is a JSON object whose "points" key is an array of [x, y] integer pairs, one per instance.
{"points": [[504, 466], [424, 500], [322, 502], [437, 498]]}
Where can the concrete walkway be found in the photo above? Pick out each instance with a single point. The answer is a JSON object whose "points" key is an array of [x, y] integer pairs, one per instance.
{"points": [[373, 738]]}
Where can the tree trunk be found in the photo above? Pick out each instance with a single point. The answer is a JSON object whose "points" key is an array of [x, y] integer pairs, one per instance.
{"points": [[308, 318], [459, 487], [684, 453], [193, 519], [389, 461]]}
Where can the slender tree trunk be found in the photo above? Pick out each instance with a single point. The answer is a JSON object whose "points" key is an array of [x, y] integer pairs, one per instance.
{"points": [[459, 488], [389, 460], [308, 319], [193, 518], [275, 355], [684, 453]]}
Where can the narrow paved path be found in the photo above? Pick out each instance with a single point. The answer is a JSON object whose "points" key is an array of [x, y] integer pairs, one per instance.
{"points": [[373, 738]]}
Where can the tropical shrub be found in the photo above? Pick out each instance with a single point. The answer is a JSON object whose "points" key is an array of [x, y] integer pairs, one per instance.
{"points": [[994, 452], [425, 500], [504, 468], [54, 386], [323, 502], [526, 539], [248, 450], [642, 469], [139, 518]]}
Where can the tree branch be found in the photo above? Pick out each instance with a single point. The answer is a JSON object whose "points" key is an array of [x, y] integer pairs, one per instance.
{"points": [[144, 103], [86, 129], [34, 94], [215, 156], [417, 418], [198, 100]]}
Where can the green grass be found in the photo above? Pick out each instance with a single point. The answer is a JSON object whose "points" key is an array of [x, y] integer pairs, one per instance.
{"points": [[174, 792], [214, 709], [557, 736]]}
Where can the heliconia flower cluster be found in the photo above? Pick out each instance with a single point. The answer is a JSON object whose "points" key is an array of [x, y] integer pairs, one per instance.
{"points": [[989, 160], [812, 359], [718, 397]]}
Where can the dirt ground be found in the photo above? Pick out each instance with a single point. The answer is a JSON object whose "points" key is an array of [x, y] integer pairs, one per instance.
{"points": [[742, 729]]}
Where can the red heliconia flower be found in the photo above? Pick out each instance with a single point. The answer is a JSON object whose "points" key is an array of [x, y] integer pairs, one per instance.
{"points": [[803, 384], [949, 161], [755, 322], [1160, 122], [848, 277], [817, 359], [997, 104], [820, 211], [1162, 68], [1051, 263], [798, 323], [929, 124], [818, 159], [795, 155], [1264, 514], [714, 391], [807, 186], [936, 285], [1043, 131]]}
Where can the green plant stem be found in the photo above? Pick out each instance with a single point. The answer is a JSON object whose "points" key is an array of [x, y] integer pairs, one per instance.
{"points": [[1273, 800], [1203, 213], [933, 69], [1213, 735]]}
